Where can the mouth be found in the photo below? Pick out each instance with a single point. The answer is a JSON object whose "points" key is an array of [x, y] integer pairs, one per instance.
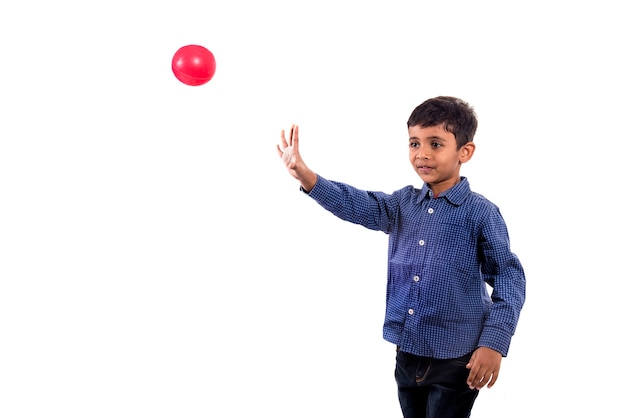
{"points": [[424, 168]]}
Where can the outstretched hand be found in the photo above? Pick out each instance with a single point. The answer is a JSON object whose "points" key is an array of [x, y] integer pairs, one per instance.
{"points": [[484, 368], [289, 152]]}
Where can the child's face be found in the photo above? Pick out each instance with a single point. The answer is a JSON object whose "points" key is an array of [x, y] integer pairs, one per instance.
{"points": [[434, 156]]}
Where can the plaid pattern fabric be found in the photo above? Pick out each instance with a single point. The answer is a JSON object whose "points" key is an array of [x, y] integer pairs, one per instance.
{"points": [[445, 255]]}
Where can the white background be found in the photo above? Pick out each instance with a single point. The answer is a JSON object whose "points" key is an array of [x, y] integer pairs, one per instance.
{"points": [[157, 260]]}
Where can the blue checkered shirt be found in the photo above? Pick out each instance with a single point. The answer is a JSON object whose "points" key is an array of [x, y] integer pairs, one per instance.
{"points": [[442, 254]]}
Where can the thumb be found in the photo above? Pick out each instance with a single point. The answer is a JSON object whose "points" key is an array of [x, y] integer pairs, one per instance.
{"points": [[470, 363]]}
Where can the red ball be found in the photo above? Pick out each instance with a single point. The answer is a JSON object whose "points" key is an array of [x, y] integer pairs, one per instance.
{"points": [[193, 65]]}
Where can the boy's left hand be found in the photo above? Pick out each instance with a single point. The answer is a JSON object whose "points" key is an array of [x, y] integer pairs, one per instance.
{"points": [[484, 367]]}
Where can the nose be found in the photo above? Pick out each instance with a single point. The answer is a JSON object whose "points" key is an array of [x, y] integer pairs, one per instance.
{"points": [[421, 154]]}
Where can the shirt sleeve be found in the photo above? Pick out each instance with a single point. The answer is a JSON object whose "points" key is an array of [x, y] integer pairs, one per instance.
{"points": [[502, 270], [373, 210]]}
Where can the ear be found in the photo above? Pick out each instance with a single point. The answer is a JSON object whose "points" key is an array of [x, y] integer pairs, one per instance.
{"points": [[466, 152]]}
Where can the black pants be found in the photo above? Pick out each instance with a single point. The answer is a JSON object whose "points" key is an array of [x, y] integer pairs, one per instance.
{"points": [[433, 388]]}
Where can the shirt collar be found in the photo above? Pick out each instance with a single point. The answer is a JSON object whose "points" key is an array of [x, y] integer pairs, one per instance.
{"points": [[455, 195]]}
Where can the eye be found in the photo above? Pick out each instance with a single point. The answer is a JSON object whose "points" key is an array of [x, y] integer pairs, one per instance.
{"points": [[413, 145], [436, 145]]}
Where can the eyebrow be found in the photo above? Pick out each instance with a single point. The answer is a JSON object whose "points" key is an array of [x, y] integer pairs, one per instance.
{"points": [[433, 137]]}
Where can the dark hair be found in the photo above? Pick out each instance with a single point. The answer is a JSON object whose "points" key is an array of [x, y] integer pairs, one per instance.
{"points": [[457, 116]]}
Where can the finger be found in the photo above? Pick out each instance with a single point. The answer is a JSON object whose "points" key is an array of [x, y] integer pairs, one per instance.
{"points": [[482, 382], [473, 372], [295, 138], [291, 135], [280, 151], [476, 383], [492, 382], [476, 376], [282, 138], [488, 379]]}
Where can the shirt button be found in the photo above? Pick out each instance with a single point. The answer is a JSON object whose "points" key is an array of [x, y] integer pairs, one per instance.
{"points": [[421, 242], [410, 311], [431, 210], [416, 278]]}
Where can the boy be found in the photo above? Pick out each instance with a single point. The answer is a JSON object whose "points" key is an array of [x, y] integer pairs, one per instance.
{"points": [[445, 244]]}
